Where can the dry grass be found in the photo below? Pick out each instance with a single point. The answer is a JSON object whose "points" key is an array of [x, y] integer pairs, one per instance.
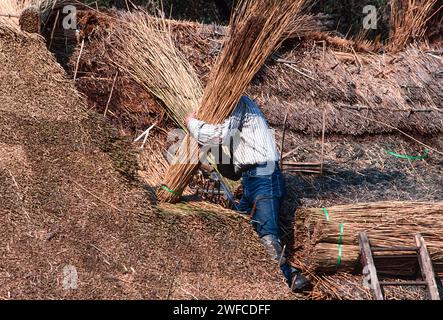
{"points": [[409, 20], [256, 30]]}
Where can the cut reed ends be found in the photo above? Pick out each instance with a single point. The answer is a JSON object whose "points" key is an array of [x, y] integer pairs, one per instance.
{"points": [[257, 28]]}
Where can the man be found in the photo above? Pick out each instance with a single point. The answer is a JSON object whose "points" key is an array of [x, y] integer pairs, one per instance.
{"points": [[256, 159]]}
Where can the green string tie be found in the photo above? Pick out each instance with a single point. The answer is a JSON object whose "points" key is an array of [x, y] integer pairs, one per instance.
{"points": [[412, 158], [326, 214], [340, 239], [170, 191]]}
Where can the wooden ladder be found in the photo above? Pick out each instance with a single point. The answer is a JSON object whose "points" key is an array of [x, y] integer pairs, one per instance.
{"points": [[369, 270]]}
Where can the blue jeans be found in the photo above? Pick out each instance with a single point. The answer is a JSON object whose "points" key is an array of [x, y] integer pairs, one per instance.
{"points": [[263, 191]]}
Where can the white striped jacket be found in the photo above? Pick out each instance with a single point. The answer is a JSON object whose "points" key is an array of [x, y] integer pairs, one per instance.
{"points": [[252, 140]]}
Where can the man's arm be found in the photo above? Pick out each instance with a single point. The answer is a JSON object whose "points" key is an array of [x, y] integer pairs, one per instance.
{"points": [[208, 134], [214, 134]]}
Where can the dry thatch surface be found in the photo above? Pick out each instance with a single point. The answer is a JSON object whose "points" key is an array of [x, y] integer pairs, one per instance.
{"points": [[360, 93], [336, 86], [256, 31], [64, 201], [360, 170]]}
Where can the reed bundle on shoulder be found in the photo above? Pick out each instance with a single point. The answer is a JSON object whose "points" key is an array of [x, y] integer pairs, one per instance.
{"points": [[256, 30]]}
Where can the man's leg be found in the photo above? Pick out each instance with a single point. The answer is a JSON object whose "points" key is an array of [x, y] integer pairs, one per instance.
{"points": [[268, 192], [265, 221], [245, 206]]}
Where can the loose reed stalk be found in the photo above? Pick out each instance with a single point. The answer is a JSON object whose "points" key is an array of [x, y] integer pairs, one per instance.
{"points": [[256, 30], [409, 20]]}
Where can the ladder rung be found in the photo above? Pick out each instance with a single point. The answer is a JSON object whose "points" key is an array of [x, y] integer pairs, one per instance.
{"points": [[379, 249], [403, 283], [397, 256]]}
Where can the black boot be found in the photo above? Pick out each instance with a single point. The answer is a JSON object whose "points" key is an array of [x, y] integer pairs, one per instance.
{"points": [[299, 282], [293, 277]]}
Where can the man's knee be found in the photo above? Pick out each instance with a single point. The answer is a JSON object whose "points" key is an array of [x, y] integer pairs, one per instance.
{"points": [[265, 216]]}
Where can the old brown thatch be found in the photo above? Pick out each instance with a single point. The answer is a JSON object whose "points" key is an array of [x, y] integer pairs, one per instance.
{"points": [[359, 93], [30, 20], [65, 205]]}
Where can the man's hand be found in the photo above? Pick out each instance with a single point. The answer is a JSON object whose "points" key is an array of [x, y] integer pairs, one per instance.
{"points": [[190, 117]]}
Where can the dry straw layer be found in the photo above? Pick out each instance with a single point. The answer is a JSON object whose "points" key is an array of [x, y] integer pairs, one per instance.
{"points": [[407, 84], [144, 48], [409, 19], [256, 30], [387, 224]]}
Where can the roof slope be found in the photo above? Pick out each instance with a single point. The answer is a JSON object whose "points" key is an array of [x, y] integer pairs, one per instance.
{"points": [[64, 201]]}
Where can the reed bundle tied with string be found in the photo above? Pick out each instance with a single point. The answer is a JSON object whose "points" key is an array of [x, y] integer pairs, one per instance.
{"points": [[256, 30], [333, 232]]}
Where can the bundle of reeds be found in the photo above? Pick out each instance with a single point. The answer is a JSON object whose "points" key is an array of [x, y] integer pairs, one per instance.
{"points": [[256, 30], [332, 233], [144, 49], [409, 19], [30, 20]]}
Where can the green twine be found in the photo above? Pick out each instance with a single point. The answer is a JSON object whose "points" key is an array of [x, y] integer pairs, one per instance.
{"points": [[340, 239], [326, 214], [170, 191], [412, 158]]}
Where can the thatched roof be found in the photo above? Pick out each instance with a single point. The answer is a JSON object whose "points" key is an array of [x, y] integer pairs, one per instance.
{"points": [[361, 171], [65, 203], [359, 93]]}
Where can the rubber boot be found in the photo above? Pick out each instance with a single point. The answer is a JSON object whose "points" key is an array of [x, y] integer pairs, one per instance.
{"points": [[293, 277]]}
